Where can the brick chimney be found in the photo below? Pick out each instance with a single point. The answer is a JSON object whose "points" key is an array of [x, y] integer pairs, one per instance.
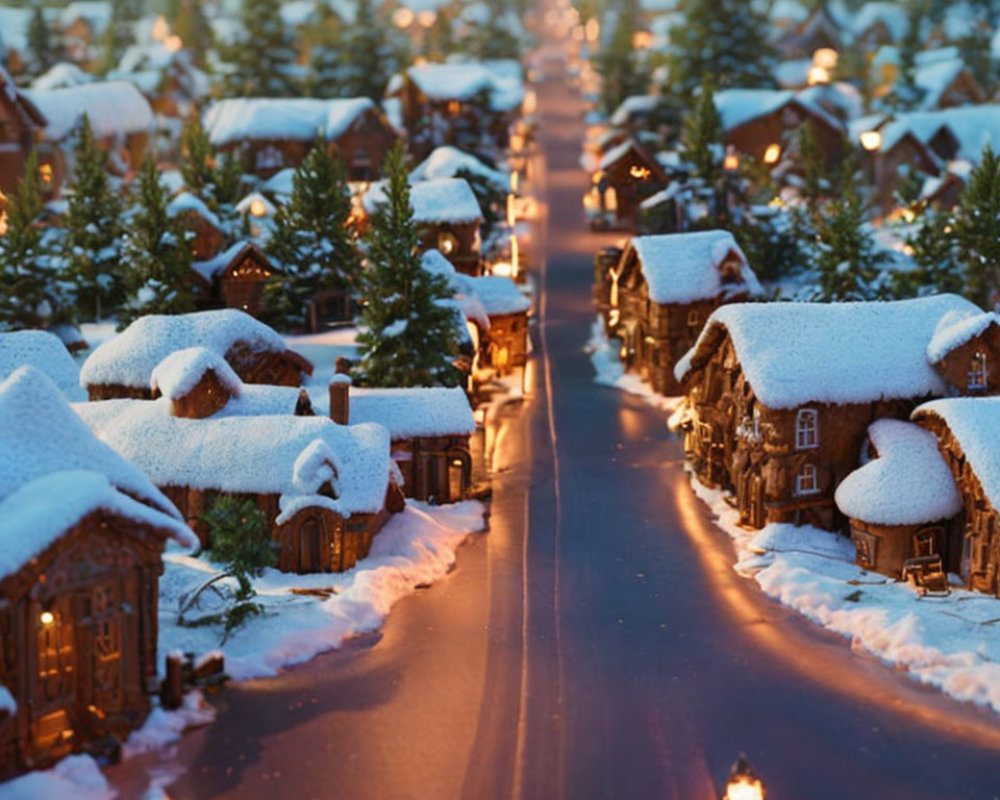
{"points": [[340, 398]]}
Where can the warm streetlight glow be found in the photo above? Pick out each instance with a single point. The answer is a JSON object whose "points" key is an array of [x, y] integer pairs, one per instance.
{"points": [[257, 207], [514, 257], [818, 76], [825, 58], [640, 173], [592, 30], [161, 29], [731, 162], [426, 18], [772, 154], [871, 140], [511, 217], [530, 104], [173, 44], [743, 782], [46, 618], [514, 180], [642, 40], [402, 18]]}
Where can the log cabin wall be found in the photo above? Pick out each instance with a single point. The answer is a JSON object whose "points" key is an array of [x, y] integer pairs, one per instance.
{"points": [[631, 189], [974, 367], [884, 548], [207, 397], [435, 468], [754, 137], [507, 342], [362, 148], [458, 242]]}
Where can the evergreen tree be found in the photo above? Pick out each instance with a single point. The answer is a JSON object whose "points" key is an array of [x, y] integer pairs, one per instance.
{"points": [[367, 60], [906, 94], [325, 67], [702, 135], [408, 333], [937, 263], [40, 43], [188, 22], [814, 184], [846, 258], [975, 230], [197, 157], [313, 241], [726, 39], [264, 61], [155, 253], [975, 48], [93, 224], [31, 292], [619, 63], [118, 34], [495, 39]]}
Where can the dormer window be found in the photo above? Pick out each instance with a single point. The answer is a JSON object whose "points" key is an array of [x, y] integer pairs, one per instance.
{"points": [[807, 481], [731, 269], [977, 372], [806, 429], [269, 157]]}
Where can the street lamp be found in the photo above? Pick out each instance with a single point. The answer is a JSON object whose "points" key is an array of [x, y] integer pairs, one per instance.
{"points": [[772, 154], [871, 140], [743, 783]]}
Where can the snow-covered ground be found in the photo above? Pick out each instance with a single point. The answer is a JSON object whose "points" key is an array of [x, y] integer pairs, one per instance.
{"points": [[77, 777], [415, 548], [952, 643]]}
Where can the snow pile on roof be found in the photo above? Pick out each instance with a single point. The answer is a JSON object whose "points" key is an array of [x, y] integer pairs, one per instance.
{"points": [[14, 24], [498, 294], [956, 329], [96, 13], [213, 266], [182, 370], [684, 267], [44, 351], [447, 161], [413, 412], [447, 200], [618, 152], [935, 78], [908, 484], [737, 107], [186, 201], [636, 104], [114, 108], [62, 75], [451, 81], [973, 126], [892, 15], [798, 353], [975, 424], [129, 358], [301, 119]]}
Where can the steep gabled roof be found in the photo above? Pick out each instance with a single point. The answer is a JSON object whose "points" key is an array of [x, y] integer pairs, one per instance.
{"points": [[299, 119]]}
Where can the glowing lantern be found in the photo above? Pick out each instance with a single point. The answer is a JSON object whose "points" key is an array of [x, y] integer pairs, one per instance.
{"points": [[818, 76], [257, 207], [871, 140], [402, 18], [173, 44], [447, 243], [161, 29], [46, 618], [825, 58], [426, 18], [514, 257], [642, 40], [592, 30], [772, 154], [731, 162], [639, 173], [45, 170], [743, 782]]}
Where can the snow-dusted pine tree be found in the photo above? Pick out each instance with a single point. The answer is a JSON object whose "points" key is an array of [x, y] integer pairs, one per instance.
{"points": [[975, 230], [313, 243], [938, 265], [41, 43], [187, 21], [367, 59], [619, 63], [155, 254], [906, 94], [214, 179], [726, 39], [263, 61], [408, 335], [702, 134], [93, 224], [31, 292], [118, 34], [846, 258]]}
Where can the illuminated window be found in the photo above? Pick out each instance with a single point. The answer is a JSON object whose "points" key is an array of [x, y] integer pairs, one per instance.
{"points": [[269, 157], [694, 318], [447, 243], [45, 171], [977, 371], [807, 481], [806, 429]]}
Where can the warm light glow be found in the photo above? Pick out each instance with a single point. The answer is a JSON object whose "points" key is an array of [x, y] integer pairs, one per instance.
{"points": [[530, 104], [426, 18], [772, 154], [826, 58], [3, 223], [46, 618], [402, 18], [623, 353], [501, 269], [638, 172], [257, 207], [744, 788], [514, 180], [592, 30], [818, 76], [45, 170], [173, 44], [514, 257], [731, 162], [871, 140], [447, 243], [642, 40], [516, 142], [614, 317], [161, 29], [511, 217], [610, 199]]}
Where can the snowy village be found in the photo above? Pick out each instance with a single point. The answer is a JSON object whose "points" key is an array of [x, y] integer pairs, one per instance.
{"points": [[493, 399]]}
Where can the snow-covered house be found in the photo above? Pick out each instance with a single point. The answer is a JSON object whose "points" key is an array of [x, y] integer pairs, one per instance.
{"points": [[450, 162], [506, 342], [900, 152], [14, 24], [965, 350], [121, 366], [206, 234], [662, 291], [429, 429], [20, 125], [626, 176], [167, 77], [901, 505], [447, 216], [234, 278], [82, 24], [944, 81], [877, 23], [780, 396], [45, 352], [121, 118], [82, 532], [821, 28], [270, 134], [325, 489]]}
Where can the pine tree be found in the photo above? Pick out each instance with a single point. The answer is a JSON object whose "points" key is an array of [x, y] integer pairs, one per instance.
{"points": [[263, 62], [31, 292], [93, 224], [313, 241], [494, 39], [188, 22], [846, 258], [408, 333], [906, 94], [118, 34], [325, 68], [155, 253], [702, 135], [726, 39], [619, 63], [937, 264], [975, 229], [40, 43], [367, 60], [197, 158]]}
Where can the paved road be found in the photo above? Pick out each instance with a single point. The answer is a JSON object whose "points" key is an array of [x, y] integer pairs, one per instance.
{"points": [[596, 643]]}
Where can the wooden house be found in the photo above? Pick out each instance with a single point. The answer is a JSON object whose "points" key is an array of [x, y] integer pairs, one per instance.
{"points": [[207, 237], [946, 82], [447, 216], [235, 278], [662, 292], [877, 23], [429, 429], [899, 152], [325, 489], [271, 134], [121, 366], [78, 580], [901, 505], [626, 176], [21, 124], [819, 30], [173, 85], [780, 396], [83, 23], [505, 347]]}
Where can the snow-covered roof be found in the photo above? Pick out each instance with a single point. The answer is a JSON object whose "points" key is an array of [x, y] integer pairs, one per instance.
{"points": [[684, 267], [452, 81], [186, 201], [44, 351], [909, 482], [842, 97], [448, 200], [973, 421], [793, 74], [60, 76], [498, 294], [14, 24], [956, 329], [300, 119], [892, 15], [617, 153], [788, 11], [274, 454], [798, 353], [96, 13], [447, 161], [129, 358], [114, 108], [635, 104], [409, 413], [935, 78], [178, 373], [737, 107], [47, 452]]}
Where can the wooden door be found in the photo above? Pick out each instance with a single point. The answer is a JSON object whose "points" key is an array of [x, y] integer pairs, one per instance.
{"points": [[102, 629], [310, 546], [54, 711]]}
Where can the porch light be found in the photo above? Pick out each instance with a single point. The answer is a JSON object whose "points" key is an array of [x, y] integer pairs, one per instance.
{"points": [[731, 162], [257, 207], [743, 782], [45, 170], [46, 618], [642, 40], [592, 30], [402, 18], [826, 58], [623, 354], [426, 18], [818, 76], [173, 43], [871, 140], [447, 243], [772, 154]]}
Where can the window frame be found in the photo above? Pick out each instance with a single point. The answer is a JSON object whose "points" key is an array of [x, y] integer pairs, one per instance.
{"points": [[807, 429]]}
